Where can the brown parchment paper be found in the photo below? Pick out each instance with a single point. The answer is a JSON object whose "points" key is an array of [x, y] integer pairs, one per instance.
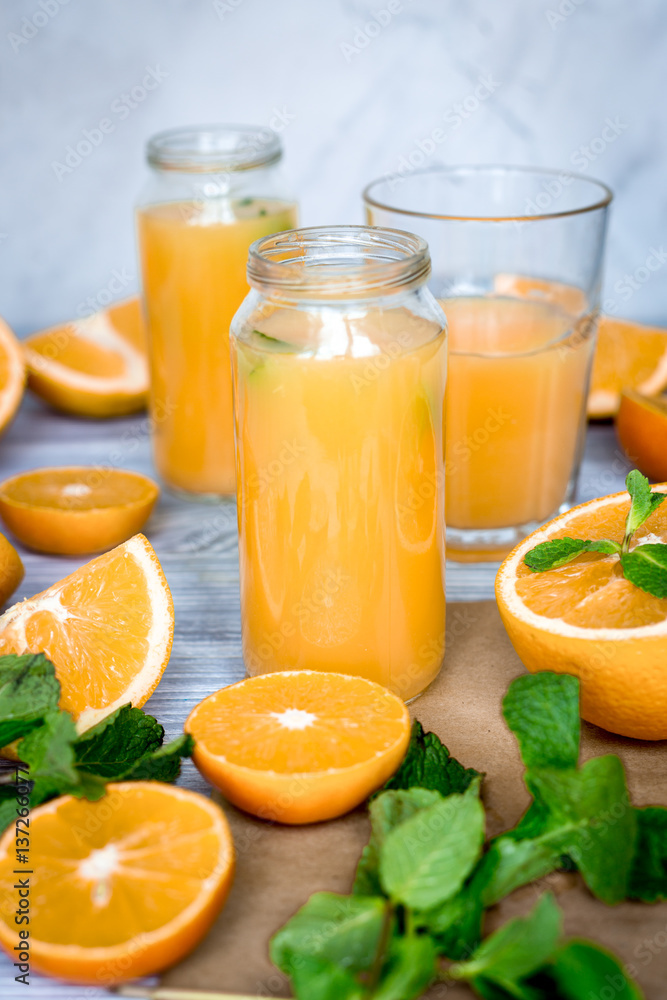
{"points": [[279, 867]]}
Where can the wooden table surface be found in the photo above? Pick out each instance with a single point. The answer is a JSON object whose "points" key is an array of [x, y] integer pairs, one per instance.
{"points": [[196, 545]]}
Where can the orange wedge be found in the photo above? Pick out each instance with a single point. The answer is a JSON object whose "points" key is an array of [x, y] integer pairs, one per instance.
{"points": [[108, 629], [586, 619], [92, 367], [641, 425], [11, 570], [120, 888], [12, 375], [76, 509], [628, 355], [299, 746]]}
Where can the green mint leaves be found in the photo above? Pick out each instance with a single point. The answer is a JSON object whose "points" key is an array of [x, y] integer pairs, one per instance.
{"points": [[648, 877], [28, 692], [127, 745], [644, 503], [425, 860], [426, 877], [543, 713], [526, 959], [428, 764], [645, 566], [559, 551], [514, 952]]}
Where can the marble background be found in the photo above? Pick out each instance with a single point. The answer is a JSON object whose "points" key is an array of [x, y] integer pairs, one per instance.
{"points": [[356, 84]]}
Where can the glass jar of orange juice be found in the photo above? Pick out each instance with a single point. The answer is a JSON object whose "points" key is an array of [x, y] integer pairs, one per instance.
{"points": [[339, 360], [213, 191]]}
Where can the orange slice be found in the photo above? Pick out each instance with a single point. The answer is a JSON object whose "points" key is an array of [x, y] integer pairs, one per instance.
{"points": [[120, 888], [11, 569], [641, 425], [12, 375], [628, 355], [92, 367], [107, 628], [586, 619], [299, 746], [77, 509]]}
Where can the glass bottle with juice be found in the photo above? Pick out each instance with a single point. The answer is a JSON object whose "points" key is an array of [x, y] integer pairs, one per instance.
{"points": [[339, 361], [214, 192]]}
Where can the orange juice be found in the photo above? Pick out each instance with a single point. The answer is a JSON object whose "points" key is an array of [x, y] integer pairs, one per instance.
{"points": [[341, 494], [519, 374], [194, 261]]}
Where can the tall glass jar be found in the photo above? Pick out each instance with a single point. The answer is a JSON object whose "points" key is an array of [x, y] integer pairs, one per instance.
{"points": [[213, 191], [339, 360]]}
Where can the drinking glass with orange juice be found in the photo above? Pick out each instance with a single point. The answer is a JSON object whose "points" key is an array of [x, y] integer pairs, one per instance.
{"points": [[214, 191], [517, 259], [339, 362]]}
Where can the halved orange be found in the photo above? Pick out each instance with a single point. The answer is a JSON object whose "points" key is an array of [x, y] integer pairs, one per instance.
{"points": [[11, 570], [92, 367], [641, 425], [119, 888], [74, 510], [299, 746], [628, 355], [108, 629], [12, 375], [586, 619]]}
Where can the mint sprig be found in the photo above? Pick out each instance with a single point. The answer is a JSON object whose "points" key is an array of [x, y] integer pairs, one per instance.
{"points": [[645, 566], [527, 959], [127, 745], [425, 879]]}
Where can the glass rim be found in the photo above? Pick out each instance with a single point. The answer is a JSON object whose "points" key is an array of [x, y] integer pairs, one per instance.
{"points": [[387, 259], [603, 201], [201, 148]]}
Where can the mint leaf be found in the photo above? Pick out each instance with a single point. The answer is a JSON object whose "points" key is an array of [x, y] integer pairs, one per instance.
{"points": [[517, 950], [409, 968], [592, 809], [111, 747], [428, 764], [280, 346], [387, 811], [163, 764], [582, 970], [533, 823], [456, 925], [49, 754], [648, 876], [644, 502], [512, 863], [489, 990], [426, 859], [345, 930], [559, 551], [646, 567], [542, 710], [7, 806], [317, 979], [29, 690]]}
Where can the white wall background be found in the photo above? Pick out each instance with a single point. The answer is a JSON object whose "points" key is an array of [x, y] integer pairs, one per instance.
{"points": [[356, 99]]}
